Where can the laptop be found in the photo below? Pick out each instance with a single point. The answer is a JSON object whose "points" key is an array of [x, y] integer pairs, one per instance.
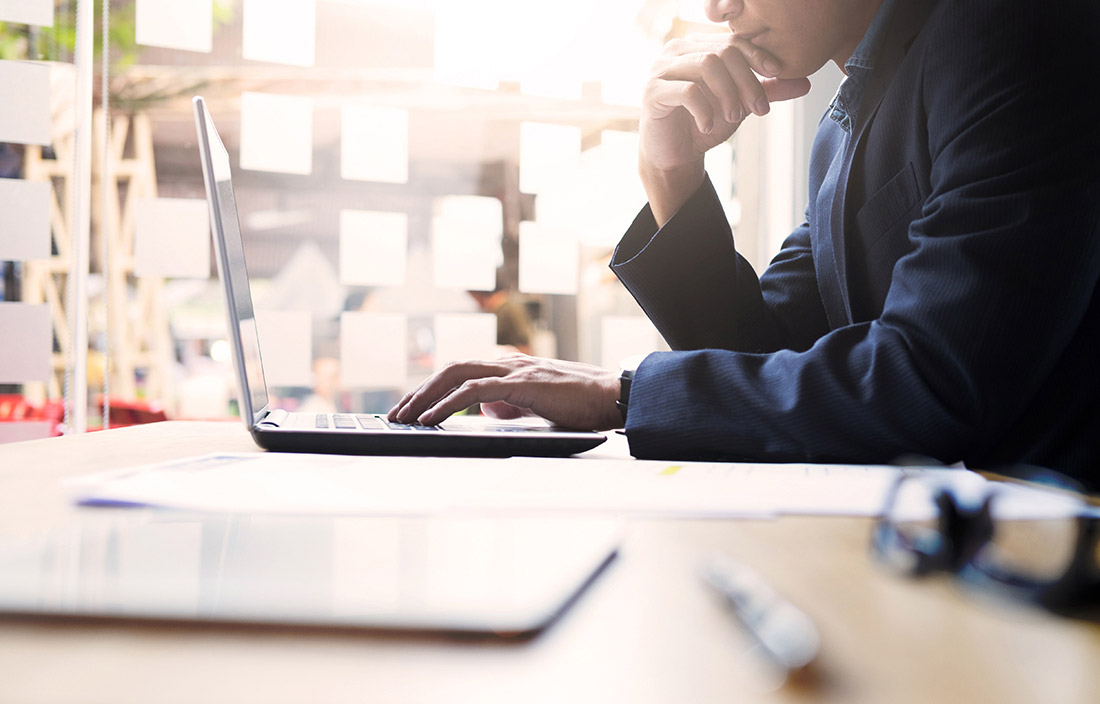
{"points": [[344, 433]]}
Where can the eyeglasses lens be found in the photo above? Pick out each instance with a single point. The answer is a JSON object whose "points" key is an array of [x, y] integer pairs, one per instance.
{"points": [[1037, 550], [912, 541]]}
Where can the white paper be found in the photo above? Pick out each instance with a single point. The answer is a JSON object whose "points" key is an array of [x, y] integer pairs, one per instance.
{"points": [[25, 117], [374, 144], [172, 238], [373, 350], [280, 31], [373, 248], [548, 155], [276, 133], [623, 336], [175, 24], [549, 260], [27, 352], [464, 336], [324, 484], [24, 220], [38, 12], [466, 234], [286, 338]]}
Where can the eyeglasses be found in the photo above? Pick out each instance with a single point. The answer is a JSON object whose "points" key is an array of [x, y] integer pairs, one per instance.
{"points": [[1039, 546]]}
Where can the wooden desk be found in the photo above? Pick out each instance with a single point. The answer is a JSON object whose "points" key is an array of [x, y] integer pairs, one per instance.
{"points": [[646, 631]]}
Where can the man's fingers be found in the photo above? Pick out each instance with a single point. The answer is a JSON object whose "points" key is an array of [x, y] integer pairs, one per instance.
{"points": [[466, 394], [786, 88], [723, 84], [395, 412], [440, 384], [727, 70], [667, 96], [760, 60], [750, 93], [502, 410]]}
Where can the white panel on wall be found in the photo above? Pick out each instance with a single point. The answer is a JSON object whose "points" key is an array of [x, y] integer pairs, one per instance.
{"points": [[625, 335], [464, 336], [25, 117], [280, 31], [204, 396], [24, 220], [466, 234], [551, 84], [549, 260], [373, 350], [175, 24], [719, 165], [18, 431], [481, 42], [26, 354], [374, 144], [172, 238], [548, 154], [605, 189], [286, 338], [373, 248], [276, 133], [39, 12]]}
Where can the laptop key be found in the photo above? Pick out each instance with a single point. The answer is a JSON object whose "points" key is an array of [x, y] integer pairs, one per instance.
{"points": [[322, 421], [371, 422], [411, 426], [343, 422]]}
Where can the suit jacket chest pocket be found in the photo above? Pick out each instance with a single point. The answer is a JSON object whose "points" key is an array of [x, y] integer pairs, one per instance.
{"points": [[883, 226]]}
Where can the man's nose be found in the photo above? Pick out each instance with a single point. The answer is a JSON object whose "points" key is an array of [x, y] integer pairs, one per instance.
{"points": [[723, 10]]}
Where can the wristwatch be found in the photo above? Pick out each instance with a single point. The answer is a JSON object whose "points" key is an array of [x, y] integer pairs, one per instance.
{"points": [[626, 375]]}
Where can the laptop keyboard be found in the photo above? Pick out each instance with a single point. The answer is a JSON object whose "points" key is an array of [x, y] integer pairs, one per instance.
{"points": [[350, 421]]}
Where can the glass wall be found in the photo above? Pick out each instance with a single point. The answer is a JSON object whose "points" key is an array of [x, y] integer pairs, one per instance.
{"points": [[418, 181], [37, 157]]}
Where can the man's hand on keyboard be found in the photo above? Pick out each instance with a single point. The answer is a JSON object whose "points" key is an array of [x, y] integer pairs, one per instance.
{"points": [[570, 394]]}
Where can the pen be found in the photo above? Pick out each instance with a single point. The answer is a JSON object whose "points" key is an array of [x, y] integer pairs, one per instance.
{"points": [[784, 633]]}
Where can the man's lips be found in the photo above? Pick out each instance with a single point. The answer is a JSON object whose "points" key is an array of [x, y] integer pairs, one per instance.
{"points": [[749, 36]]}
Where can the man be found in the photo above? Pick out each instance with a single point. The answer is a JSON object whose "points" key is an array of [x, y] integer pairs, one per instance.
{"points": [[940, 298]]}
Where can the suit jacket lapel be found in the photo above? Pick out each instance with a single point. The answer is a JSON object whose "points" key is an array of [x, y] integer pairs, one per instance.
{"points": [[909, 17]]}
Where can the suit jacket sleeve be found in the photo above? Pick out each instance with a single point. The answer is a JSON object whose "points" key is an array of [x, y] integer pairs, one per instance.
{"points": [[1004, 265], [700, 293]]}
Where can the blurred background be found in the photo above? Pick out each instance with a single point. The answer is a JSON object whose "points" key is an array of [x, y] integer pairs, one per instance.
{"points": [[418, 181]]}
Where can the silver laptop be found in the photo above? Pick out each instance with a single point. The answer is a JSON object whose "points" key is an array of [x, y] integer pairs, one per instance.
{"points": [[347, 433]]}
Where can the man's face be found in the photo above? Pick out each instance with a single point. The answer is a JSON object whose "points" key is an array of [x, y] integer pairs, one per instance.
{"points": [[801, 34]]}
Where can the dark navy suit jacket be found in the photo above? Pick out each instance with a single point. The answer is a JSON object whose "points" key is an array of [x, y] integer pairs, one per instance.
{"points": [[941, 297]]}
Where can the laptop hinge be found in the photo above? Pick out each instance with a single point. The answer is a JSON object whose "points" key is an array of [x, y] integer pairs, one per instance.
{"points": [[274, 419]]}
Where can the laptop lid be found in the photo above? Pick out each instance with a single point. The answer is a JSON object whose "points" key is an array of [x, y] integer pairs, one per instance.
{"points": [[229, 253]]}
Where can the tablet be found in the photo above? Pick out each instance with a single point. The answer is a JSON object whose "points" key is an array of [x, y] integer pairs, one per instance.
{"points": [[507, 576]]}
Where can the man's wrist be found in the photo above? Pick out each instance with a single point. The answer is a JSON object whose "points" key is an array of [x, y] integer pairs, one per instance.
{"points": [[668, 189]]}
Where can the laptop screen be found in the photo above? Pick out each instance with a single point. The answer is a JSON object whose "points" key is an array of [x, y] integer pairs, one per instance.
{"points": [[224, 212]]}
